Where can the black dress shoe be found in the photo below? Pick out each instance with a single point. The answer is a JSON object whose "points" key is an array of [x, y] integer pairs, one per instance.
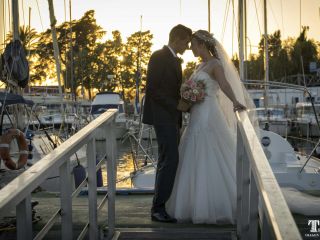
{"points": [[162, 217]]}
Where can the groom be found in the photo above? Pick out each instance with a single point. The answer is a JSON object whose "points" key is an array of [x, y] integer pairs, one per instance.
{"points": [[164, 78]]}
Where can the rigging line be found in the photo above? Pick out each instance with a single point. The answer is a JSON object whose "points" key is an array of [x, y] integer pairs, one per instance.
{"points": [[9, 12], [273, 14], [226, 14], [282, 30], [40, 15], [232, 28], [66, 43], [234, 22], [255, 5], [4, 21], [224, 19], [64, 9], [22, 6]]}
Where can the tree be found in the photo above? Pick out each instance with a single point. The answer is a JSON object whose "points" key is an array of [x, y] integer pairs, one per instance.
{"points": [[190, 68], [111, 64], [136, 55], [75, 46], [28, 37], [235, 60], [303, 50]]}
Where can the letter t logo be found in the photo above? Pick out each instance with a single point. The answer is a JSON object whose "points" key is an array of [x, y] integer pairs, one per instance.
{"points": [[314, 224]]}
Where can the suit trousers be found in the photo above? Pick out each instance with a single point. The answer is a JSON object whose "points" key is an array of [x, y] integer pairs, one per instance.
{"points": [[168, 137]]}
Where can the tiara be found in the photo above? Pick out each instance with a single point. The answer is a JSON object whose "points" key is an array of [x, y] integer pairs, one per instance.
{"points": [[205, 37]]}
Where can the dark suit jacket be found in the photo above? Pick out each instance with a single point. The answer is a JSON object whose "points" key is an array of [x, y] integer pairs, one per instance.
{"points": [[164, 77]]}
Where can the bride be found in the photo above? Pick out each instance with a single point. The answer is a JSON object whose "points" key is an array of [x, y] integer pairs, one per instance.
{"points": [[205, 185]]}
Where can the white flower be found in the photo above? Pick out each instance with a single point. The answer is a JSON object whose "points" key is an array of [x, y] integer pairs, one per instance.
{"points": [[195, 91]]}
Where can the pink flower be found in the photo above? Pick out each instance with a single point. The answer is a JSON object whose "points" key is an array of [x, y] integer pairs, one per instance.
{"points": [[189, 82], [193, 90], [186, 95], [193, 85]]}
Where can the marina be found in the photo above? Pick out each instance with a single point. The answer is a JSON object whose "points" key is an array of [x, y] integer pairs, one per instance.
{"points": [[132, 207], [77, 160]]}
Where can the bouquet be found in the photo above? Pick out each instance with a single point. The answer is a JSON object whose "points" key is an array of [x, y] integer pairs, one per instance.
{"points": [[191, 92]]}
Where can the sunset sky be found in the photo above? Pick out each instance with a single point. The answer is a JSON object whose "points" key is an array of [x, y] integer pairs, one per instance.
{"points": [[159, 16]]}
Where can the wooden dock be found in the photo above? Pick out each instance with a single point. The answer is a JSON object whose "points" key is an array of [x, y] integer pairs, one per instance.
{"points": [[129, 215], [132, 220]]}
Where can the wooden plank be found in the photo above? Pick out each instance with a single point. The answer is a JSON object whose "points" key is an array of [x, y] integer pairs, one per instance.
{"points": [[239, 167], [111, 176], [24, 219], [175, 233], [92, 184], [254, 212], [66, 201]]}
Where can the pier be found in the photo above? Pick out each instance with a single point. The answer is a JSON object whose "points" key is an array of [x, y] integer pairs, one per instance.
{"points": [[71, 216]]}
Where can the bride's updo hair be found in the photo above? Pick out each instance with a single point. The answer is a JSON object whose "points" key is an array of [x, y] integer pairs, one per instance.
{"points": [[206, 38]]}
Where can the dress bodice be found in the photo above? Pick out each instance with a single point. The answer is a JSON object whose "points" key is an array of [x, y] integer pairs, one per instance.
{"points": [[211, 85]]}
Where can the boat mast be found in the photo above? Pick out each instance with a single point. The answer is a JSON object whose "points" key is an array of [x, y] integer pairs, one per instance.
{"points": [[266, 56], [15, 19], [138, 73], [55, 49], [73, 90], [16, 36], [209, 15], [245, 45], [241, 39], [2, 26]]}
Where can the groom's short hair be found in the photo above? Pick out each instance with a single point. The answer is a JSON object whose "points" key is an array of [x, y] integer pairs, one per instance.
{"points": [[179, 32]]}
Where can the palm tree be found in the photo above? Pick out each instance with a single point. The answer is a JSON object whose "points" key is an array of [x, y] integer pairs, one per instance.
{"points": [[28, 37]]}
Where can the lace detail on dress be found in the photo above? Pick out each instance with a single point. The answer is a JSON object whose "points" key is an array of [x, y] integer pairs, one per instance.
{"points": [[212, 86]]}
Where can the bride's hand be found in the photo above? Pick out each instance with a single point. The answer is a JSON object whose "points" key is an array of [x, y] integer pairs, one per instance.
{"points": [[238, 106]]}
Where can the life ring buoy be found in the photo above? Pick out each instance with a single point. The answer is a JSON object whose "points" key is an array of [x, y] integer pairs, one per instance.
{"points": [[5, 141]]}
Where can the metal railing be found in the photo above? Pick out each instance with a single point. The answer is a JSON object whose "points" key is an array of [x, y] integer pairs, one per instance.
{"points": [[256, 184], [18, 192]]}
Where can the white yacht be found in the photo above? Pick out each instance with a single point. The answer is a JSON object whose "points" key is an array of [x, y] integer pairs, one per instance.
{"points": [[306, 123], [274, 119], [108, 100]]}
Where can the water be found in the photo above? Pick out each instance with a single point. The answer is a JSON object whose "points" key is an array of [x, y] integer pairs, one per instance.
{"points": [[129, 158], [127, 152], [303, 145]]}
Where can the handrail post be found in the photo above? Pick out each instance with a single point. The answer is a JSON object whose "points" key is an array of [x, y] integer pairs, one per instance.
{"points": [[66, 201], [239, 166], [265, 228], [92, 188], [24, 219], [111, 177], [244, 191], [254, 211], [245, 203]]}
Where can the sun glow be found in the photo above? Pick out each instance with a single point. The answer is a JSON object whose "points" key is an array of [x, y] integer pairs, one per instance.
{"points": [[159, 17]]}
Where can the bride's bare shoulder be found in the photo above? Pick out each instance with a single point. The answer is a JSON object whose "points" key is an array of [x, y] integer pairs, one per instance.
{"points": [[214, 61], [214, 64]]}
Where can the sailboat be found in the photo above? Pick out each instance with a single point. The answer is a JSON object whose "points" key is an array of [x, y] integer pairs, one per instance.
{"points": [[41, 141]]}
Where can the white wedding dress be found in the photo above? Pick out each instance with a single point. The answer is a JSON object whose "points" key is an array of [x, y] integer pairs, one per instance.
{"points": [[205, 185]]}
